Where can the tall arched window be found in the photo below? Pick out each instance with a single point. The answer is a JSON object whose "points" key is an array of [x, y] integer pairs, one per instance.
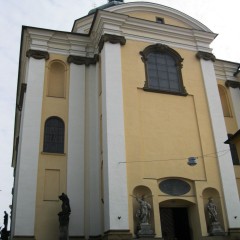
{"points": [[54, 135], [224, 101], [163, 70], [56, 79]]}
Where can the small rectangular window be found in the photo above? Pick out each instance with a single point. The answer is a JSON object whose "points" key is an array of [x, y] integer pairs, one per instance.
{"points": [[160, 20]]}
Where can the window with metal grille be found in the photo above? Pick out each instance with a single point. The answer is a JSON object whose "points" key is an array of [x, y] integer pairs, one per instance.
{"points": [[54, 135], [163, 70]]}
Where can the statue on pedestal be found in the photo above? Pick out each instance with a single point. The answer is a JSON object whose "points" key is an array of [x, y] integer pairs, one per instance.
{"points": [[64, 217], [143, 215], [4, 231], [215, 228]]}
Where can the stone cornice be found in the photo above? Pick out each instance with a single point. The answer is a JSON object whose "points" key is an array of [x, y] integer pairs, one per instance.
{"points": [[37, 54], [159, 9], [232, 84], [226, 70], [114, 39], [58, 42], [205, 56], [79, 60], [150, 32]]}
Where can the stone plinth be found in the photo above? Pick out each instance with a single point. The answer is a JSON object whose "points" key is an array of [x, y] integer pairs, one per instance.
{"points": [[215, 229], [145, 231]]}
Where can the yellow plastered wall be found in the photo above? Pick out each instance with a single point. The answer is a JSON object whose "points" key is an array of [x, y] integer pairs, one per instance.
{"points": [[162, 130], [152, 17], [52, 167], [230, 121]]}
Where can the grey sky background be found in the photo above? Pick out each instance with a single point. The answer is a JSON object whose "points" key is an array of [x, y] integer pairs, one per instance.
{"points": [[221, 17]]}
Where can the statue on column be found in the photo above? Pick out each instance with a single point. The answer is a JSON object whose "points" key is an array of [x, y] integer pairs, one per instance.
{"points": [[214, 227], [143, 215], [4, 231], [64, 217]]}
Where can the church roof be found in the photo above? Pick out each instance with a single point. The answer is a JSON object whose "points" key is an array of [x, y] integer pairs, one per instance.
{"points": [[110, 3]]}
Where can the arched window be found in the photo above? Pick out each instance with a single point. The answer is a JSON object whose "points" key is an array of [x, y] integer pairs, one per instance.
{"points": [[163, 70], [54, 135], [224, 101], [56, 79]]}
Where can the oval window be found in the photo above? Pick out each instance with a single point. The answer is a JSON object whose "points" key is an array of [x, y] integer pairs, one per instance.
{"points": [[174, 187]]}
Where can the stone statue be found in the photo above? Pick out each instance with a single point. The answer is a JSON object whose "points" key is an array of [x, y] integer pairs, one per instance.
{"points": [[5, 222], [143, 215], [144, 212], [4, 231], [214, 227], [64, 217], [212, 210]]}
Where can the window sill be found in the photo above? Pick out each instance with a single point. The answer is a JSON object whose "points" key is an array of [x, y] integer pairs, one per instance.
{"points": [[165, 91], [55, 154]]}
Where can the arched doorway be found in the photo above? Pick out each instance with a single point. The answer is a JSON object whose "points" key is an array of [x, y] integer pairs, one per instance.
{"points": [[176, 220]]}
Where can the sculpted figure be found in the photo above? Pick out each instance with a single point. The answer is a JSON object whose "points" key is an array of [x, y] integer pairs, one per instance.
{"points": [[212, 210], [4, 231], [64, 217], [5, 221], [144, 212]]}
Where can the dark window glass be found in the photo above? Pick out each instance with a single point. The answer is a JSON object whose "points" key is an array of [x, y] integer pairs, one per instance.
{"points": [[163, 70], [54, 135], [159, 20], [234, 153]]}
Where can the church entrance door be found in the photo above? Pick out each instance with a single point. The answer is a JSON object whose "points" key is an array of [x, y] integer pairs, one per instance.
{"points": [[175, 223]]}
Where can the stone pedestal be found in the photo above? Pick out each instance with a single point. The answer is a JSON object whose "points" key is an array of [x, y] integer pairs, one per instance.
{"points": [[145, 231], [4, 234], [215, 229]]}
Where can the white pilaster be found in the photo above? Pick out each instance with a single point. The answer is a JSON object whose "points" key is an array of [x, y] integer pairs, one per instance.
{"points": [[235, 95], [220, 134], [92, 161], [75, 161], [27, 162], [115, 179]]}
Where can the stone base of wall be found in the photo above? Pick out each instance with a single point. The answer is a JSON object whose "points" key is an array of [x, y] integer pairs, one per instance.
{"points": [[117, 235], [150, 238], [76, 238], [99, 237], [234, 233], [24, 238], [216, 238]]}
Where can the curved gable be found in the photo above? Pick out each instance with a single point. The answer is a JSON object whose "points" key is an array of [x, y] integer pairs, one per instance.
{"points": [[149, 11]]}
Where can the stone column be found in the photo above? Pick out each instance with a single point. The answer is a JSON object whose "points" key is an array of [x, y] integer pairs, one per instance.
{"points": [[92, 159], [226, 169], [23, 214], [76, 148], [115, 177]]}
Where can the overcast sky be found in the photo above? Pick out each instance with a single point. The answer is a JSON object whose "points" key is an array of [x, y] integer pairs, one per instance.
{"points": [[222, 17]]}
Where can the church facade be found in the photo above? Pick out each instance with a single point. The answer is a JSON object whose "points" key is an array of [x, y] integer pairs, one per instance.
{"points": [[132, 116]]}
